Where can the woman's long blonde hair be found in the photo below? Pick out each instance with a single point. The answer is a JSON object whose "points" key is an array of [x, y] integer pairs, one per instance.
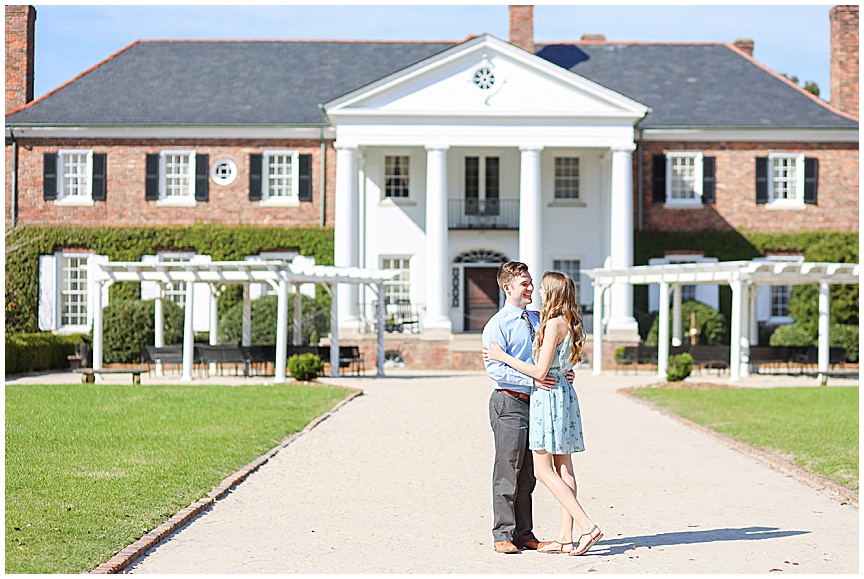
{"points": [[560, 300]]}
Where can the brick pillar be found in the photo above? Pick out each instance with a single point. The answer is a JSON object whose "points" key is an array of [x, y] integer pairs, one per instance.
{"points": [[744, 45], [20, 41], [844, 58], [522, 27]]}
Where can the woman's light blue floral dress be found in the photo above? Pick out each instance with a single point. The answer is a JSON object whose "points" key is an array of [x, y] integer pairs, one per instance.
{"points": [[556, 424]]}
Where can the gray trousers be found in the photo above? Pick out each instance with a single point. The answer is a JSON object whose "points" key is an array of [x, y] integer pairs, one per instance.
{"points": [[513, 472]]}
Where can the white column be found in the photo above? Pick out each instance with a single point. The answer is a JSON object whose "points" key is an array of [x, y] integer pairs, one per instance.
{"points": [[677, 329], [531, 218], [663, 331], [744, 355], [281, 331], [599, 298], [246, 338], [751, 315], [188, 332], [622, 324], [345, 232], [298, 315], [437, 312], [98, 336], [334, 330], [736, 329], [159, 323], [824, 328], [380, 314]]}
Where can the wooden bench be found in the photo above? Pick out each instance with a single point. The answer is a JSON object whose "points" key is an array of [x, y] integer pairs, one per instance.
{"points": [[88, 375]]}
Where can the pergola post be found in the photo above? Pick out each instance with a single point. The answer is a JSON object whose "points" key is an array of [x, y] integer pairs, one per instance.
{"points": [[159, 323], [298, 315], [214, 321], [188, 332], [663, 331], [246, 338], [98, 336], [751, 315], [824, 329], [735, 337], [380, 315], [599, 296], [677, 329], [281, 331], [744, 356], [334, 330]]}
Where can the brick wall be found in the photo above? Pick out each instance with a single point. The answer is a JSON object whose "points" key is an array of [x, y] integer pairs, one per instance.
{"points": [[20, 42], [735, 206], [844, 58], [126, 206], [522, 27]]}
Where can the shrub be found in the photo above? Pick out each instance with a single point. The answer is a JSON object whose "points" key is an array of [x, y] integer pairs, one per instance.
{"points": [[305, 367], [316, 320], [130, 324], [846, 336], [679, 368], [39, 351], [791, 335], [711, 324], [619, 353]]}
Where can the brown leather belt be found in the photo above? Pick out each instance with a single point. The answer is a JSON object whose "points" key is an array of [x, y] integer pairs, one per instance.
{"points": [[520, 395]]}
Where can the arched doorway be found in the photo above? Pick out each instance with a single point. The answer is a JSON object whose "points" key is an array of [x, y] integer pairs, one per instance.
{"points": [[475, 274]]}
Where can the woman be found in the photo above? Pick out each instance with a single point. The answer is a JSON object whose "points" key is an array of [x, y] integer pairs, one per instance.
{"points": [[556, 427]]}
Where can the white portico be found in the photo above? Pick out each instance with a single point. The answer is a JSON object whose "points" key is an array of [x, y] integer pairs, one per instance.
{"points": [[482, 150]]}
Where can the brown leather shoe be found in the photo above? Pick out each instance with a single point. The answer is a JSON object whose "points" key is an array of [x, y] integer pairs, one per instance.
{"points": [[532, 544], [505, 547]]}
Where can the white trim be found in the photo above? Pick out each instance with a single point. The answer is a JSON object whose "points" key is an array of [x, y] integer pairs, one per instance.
{"points": [[185, 200], [411, 199], [175, 132], [219, 179], [63, 198], [798, 201], [292, 200], [744, 134], [698, 172]]}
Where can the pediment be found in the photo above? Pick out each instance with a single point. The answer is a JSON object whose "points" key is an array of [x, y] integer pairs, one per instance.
{"points": [[486, 76]]}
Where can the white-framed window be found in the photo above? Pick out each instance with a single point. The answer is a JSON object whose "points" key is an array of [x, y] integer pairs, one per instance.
{"points": [[567, 178], [398, 288], [280, 183], [74, 289], [397, 176], [780, 295], [177, 177], [75, 169], [786, 179], [705, 293], [573, 268], [684, 178], [175, 291]]}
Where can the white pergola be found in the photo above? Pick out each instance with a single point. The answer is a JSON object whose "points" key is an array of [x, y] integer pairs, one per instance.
{"points": [[744, 277], [277, 274]]}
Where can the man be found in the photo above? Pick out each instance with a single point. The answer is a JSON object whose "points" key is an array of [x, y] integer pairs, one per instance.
{"points": [[513, 479]]}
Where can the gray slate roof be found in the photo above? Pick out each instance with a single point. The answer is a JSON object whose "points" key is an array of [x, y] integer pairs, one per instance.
{"points": [[282, 83]]}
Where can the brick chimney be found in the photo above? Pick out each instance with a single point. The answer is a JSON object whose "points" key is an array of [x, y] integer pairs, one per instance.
{"points": [[744, 45], [844, 58], [20, 41], [522, 27]]}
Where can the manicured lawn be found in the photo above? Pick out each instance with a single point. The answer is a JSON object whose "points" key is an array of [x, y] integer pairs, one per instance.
{"points": [[90, 468], [814, 428]]}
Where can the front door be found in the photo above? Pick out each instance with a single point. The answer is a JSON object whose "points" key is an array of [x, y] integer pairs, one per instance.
{"points": [[481, 296]]}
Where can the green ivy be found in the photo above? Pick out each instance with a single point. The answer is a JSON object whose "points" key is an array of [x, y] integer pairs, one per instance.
{"points": [[25, 244]]}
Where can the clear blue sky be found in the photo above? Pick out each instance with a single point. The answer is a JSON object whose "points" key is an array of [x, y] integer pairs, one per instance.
{"points": [[791, 39]]}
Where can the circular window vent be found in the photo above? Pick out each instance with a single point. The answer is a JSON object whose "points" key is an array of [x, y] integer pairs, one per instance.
{"points": [[223, 172], [484, 78]]}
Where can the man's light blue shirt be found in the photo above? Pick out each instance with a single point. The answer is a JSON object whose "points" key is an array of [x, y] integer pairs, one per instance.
{"points": [[510, 331]]}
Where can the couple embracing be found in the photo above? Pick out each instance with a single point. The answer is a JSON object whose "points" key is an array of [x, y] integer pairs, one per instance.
{"points": [[534, 411]]}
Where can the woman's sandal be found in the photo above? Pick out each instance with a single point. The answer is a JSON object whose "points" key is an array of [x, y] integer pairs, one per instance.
{"points": [[595, 534], [557, 548]]}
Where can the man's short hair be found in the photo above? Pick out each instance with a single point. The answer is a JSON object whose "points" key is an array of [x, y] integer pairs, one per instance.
{"points": [[510, 270]]}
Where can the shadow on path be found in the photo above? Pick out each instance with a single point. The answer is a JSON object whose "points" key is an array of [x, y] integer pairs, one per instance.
{"points": [[620, 545]]}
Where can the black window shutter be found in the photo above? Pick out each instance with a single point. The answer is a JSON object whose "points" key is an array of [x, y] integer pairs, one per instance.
{"points": [[811, 179], [255, 160], [761, 180], [100, 181], [658, 178], [49, 176], [708, 180], [151, 188], [202, 177], [305, 183]]}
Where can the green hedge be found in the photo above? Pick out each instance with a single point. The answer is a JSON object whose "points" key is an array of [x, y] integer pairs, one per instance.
{"points": [[316, 320], [679, 368], [39, 351], [25, 244], [130, 324], [712, 325]]}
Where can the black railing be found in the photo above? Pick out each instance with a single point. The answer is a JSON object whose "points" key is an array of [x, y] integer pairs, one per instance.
{"points": [[483, 213]]}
